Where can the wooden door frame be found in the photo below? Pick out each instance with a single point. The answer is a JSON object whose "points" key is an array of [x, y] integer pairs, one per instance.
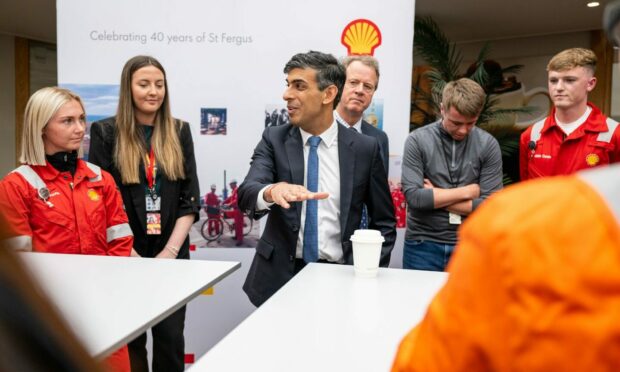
{"points": [[22, 89], [601, 95]]}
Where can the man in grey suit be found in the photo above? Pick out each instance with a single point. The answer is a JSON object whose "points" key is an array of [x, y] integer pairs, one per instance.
{"points": [[312, 178], [362, 81]]}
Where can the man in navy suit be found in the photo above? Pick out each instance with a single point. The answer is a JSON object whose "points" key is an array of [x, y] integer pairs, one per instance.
{"points": [[312, 178], [362, 81]]}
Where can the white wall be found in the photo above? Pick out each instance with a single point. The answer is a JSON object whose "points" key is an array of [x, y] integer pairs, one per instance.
{"points": [[7, 104]]}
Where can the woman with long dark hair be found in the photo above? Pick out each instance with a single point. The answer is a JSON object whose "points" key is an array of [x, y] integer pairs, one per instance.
{"points": [[151, 156]]}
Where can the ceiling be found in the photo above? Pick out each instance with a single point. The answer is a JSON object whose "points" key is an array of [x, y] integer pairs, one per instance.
{"points": [[482, 20], [462, 21], [32, 19]]}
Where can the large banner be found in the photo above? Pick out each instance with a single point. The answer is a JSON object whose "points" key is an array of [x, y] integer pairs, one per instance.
{"points": [[224, 62]]}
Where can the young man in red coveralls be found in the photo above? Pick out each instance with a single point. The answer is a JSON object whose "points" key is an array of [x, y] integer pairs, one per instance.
{"points": [[576, 135]]}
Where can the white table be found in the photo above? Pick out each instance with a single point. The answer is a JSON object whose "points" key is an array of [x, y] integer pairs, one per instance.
{"points": [[108, 301], [327, 319]]}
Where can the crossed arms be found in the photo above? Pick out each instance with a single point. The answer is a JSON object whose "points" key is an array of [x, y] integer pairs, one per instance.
{"points": [[422, 194], [458, 200]]}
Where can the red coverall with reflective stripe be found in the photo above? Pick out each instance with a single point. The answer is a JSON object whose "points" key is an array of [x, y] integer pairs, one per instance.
{"points": [[80, 216], [73, 219], [558, 154]]}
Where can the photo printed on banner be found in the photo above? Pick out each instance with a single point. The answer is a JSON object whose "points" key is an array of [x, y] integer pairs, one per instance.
{"points": [[213, 121], [396, 191], [222, 224], [100, 102], [374, 113], [276, 114]]}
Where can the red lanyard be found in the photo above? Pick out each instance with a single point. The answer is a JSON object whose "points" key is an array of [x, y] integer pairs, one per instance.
{"points": [[151, 170]]}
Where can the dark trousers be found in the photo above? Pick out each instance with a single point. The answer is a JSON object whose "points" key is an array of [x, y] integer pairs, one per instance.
{"points": [[300, 264], [168, 346]]}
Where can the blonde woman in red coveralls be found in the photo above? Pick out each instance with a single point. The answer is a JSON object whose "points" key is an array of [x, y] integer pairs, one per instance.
{"points": [[57, 203]]}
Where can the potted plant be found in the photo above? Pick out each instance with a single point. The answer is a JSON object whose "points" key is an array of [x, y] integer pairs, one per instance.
{"points": [[444, 61]]}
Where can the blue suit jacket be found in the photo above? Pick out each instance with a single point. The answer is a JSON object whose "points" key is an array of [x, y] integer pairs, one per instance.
{"points": [[279, 157], [370, 130]]}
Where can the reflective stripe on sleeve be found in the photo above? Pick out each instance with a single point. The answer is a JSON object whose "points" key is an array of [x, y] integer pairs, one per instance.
{"points": [[612, 125], [118, 231], [31, 177], [21, 243], [537, 130]]}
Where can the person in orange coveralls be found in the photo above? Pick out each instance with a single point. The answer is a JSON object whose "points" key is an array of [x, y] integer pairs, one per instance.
{"points": [[56, 202], [533, 285]]}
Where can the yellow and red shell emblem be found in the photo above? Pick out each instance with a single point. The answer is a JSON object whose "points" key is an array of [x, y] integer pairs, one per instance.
{"points": [[361, 37], [592, 159], [92, 195]]}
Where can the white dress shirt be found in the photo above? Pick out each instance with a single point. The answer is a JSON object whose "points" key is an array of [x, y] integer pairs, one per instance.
{"points": [[330, 245], [357, 125]]}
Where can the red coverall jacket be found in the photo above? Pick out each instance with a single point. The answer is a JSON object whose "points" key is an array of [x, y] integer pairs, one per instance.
{"points": [[50, 211], [545, 152], [232, 199], [213, 201], [87, 218]]}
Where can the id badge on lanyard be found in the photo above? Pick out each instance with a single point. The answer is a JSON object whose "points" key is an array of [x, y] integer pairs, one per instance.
{"points": [[153, 201], [454, 219]]}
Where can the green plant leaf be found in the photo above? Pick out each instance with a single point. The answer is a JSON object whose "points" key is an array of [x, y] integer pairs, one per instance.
{"points": [[433, 45], [513, 69]]}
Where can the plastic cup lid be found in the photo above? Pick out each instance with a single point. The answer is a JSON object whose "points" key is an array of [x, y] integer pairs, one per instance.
{"points": [[367, 235]]}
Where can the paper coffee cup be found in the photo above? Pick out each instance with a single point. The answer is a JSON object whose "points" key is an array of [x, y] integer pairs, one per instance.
{"points": [[366, 252]]}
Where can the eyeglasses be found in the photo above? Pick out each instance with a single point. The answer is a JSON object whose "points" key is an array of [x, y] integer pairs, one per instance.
{"points": [[366, 87]]}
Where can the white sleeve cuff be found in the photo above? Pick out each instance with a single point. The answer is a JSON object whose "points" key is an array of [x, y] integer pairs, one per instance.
{"points": [[22, 243], [261, 204]]}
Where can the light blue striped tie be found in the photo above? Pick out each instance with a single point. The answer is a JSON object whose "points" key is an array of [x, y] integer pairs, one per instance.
{"points": [[311, 233]]}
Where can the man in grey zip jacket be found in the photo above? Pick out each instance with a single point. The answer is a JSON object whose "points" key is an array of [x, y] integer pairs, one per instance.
{"points": [[449, 168]]}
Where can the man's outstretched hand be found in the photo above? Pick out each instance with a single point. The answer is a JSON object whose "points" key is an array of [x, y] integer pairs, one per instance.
{"points": [[283, 193]]}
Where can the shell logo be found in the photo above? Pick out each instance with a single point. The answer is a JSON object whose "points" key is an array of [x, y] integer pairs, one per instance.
{"points": [[361, 37], [92, 195], [592, 159]]}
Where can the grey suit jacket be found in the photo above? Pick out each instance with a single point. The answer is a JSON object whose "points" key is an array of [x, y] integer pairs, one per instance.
{"points": [[279, 157]]}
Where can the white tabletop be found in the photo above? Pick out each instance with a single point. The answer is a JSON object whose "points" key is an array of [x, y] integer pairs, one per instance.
{"points": [[327, 319], [108, 301]]}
